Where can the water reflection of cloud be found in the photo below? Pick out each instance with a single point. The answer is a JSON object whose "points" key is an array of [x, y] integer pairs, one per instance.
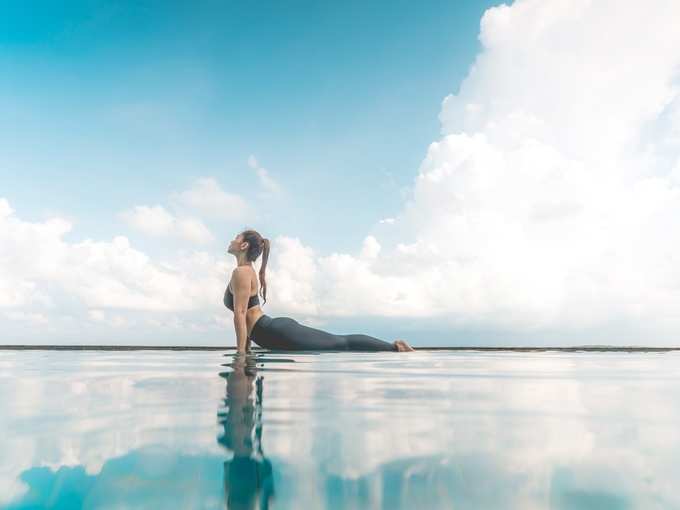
{"points": [[83, 408], [529, 414], [431, 430], [151, 477]]}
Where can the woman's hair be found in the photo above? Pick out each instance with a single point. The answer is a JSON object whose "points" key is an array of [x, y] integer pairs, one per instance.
{"points": [[256, 245]]}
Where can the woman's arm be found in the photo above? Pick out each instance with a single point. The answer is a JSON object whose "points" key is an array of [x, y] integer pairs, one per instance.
{"points": [[241, 287]]}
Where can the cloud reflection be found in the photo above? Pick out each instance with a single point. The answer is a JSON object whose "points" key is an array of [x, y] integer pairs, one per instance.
{"points": [[430, 430]]}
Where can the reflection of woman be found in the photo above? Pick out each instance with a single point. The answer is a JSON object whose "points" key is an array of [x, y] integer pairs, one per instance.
{"points": [[248, 480], [280, 332]]}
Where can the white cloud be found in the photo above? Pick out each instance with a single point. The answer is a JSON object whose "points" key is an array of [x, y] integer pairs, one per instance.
{"points": [[550, 203], [269, 185], [552, 200], [301, 281], [113, 320], [207, 197], [194, 230], [157, 221], [35, 318], [546, 196], [39, 268], [370, 248], [5, 209]]}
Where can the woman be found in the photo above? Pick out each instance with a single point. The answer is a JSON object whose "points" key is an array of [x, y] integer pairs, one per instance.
{"points": [[279, 332]]}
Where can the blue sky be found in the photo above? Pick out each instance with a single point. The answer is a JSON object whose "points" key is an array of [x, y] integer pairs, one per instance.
{"points": [[451, 173], [139, 98]]}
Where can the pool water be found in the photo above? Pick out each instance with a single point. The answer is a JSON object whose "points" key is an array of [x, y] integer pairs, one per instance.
{"points": [[425, 430]]}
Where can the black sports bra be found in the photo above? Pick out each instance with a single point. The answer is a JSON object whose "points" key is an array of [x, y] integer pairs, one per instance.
{"points": [[229, 299]]}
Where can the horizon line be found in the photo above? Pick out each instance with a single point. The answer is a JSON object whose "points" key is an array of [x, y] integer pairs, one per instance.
{"points": [[588, 348]]}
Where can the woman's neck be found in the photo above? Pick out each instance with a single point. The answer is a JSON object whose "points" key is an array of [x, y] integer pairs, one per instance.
{"points": [[243, 262]]}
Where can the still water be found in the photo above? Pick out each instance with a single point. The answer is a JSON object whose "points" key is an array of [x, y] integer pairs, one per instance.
{"points": [[425, 430]]}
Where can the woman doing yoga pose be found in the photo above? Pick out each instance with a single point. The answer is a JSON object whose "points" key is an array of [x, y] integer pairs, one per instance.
{"points": [[283, 333]]}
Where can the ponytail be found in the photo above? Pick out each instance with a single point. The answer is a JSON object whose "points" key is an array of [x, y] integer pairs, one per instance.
{"points": [[265, 256], [257, 245]]}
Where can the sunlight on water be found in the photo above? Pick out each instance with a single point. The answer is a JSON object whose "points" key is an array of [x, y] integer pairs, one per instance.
{"points": [[425, 430]]}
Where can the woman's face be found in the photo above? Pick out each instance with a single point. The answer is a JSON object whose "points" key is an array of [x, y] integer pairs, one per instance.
{"points": [[235, 244]]}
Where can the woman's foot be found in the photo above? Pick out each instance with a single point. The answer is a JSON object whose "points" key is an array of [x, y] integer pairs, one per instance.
{"points": [[402, 346]]}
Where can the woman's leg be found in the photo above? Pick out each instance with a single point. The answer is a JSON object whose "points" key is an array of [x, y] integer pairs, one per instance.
{"points": [[367, 343], [286, 333]]}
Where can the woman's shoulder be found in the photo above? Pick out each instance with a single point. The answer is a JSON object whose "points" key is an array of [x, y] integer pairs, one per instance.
{"points": [[243, 273], [243, 270]]}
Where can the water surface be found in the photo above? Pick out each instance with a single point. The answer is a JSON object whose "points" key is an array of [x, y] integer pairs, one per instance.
{"points": [[425, 430]]}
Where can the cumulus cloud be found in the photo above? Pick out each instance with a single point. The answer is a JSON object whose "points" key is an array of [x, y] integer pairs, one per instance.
{"points": [[39, 268], [157, 221], [552, 199], [548, 196], [370, 248], [342, 284], [550, 202], [204, 198], [207, 197], [152, 220], [194, 230]]}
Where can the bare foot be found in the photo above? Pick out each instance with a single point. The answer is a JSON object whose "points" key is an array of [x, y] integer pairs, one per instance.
{"points": [[402, 346]]}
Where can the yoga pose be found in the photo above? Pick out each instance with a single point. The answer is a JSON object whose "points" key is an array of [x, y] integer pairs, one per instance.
{"points": [[282, 333]]}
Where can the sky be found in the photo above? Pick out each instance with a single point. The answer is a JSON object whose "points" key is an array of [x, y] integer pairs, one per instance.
{"points": [[455, 173]]}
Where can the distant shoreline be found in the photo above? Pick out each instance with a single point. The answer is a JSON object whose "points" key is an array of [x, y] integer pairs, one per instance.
{"points": [[583, 348]]}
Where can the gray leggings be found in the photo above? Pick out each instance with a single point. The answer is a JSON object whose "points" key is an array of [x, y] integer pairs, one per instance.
{"points": [[285, 333]]}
